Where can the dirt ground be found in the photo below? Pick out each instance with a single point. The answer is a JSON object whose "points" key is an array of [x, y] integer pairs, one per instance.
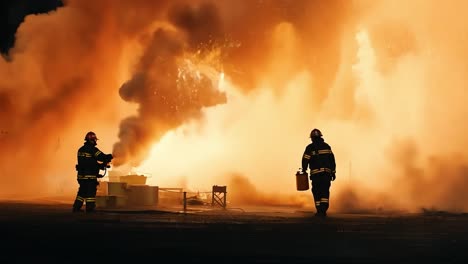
{"points": [[48, 232]]}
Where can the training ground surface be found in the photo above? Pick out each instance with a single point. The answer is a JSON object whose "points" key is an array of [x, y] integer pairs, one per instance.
{"points": [[48, 232]]}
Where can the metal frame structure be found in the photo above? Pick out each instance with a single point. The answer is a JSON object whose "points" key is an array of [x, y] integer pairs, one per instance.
{"points": [[219, 195]]}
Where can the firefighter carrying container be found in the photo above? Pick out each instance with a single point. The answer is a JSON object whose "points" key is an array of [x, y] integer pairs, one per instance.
{"points": [[302, 181]]}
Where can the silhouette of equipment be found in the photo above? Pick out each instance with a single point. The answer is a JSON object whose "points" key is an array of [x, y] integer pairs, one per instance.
{"points": [[219, 195]]}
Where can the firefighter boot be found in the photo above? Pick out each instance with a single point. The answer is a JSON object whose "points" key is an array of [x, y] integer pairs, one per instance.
{"points": [[321, 211], [77, 206], [90, 207]]}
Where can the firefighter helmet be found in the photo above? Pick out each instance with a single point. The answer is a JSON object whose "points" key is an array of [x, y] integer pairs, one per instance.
{"points": [[90, 136], [315, 133]]}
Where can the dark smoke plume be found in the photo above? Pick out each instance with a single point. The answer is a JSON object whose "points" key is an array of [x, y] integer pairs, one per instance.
{"points": [[165, 101]]}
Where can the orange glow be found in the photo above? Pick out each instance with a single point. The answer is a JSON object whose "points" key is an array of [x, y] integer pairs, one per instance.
{"points": [[383, 80]]}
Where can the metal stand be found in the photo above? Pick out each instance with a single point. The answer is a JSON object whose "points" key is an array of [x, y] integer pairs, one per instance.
{"points": [[219, 196]]}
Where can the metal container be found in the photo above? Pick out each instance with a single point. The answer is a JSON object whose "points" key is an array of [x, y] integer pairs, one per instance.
{"points": [[155, 194], [111, 201], [302, 181], [102, 188], [114, 176], [133, 179], [117, 188], [140, 195]]}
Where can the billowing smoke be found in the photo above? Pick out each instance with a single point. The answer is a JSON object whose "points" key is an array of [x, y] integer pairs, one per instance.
{"points": [[245, 52], [60, 80], [383, 80], [168, 94], [243, 192], [51, 90], [393, 110]]}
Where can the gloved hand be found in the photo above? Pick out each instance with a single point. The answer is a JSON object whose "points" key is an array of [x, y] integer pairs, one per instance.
{"points": [[109, 157], [333, 176]]}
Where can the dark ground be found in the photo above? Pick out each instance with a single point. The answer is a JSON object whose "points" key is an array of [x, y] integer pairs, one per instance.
{"points": [[49, 233]]}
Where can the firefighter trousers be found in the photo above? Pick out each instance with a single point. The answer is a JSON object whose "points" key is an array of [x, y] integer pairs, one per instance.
{"points": [[86, 194], [321, 191]]}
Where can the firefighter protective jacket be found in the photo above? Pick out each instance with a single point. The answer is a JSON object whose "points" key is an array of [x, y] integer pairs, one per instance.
{"points": [[88, 157], [318, 157]]}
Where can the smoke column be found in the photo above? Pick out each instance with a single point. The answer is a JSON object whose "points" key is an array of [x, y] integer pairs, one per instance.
{"points": [[168, 95]]}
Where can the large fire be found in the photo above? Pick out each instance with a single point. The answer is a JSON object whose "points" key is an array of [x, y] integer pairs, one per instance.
{"points": [[198, 93]]}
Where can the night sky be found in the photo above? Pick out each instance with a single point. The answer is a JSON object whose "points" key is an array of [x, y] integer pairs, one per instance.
{"points": [[13, 13]]}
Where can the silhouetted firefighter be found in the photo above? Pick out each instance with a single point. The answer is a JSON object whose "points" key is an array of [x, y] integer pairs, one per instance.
{"points": [[90, 161], [319, 158]]}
